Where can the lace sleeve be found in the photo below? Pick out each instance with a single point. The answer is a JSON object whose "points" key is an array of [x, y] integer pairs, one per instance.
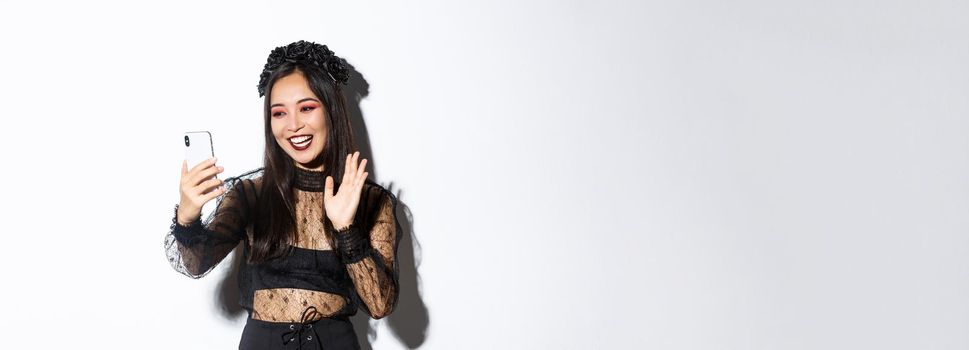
{"points": [[196, 249], [374, 269]]}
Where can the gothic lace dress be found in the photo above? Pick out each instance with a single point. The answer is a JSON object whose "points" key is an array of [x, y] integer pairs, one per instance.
{"points": [[317, 277]]}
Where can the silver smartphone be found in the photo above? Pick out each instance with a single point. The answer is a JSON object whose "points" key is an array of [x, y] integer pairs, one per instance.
{"points": [[198, 147]]}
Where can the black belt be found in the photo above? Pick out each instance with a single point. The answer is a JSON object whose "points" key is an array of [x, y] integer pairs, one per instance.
{"points": [[295, 334]]}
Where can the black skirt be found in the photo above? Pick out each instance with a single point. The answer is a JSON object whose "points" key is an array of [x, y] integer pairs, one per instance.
{"points": [[327, 333]]}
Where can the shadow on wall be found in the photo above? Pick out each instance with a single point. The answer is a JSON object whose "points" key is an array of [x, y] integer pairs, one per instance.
{"points": [[409, 320]]}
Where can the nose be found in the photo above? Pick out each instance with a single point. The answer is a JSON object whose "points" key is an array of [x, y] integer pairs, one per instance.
{"points": [[293, 123]]}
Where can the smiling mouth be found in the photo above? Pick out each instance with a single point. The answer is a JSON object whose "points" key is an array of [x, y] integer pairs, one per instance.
{"points": [[301, 142]]}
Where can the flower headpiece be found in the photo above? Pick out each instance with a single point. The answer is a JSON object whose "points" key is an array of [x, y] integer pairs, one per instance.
{"points": [[307, 52]]}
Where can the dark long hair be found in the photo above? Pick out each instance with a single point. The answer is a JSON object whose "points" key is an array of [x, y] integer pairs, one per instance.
{"points": [[274, 225]]}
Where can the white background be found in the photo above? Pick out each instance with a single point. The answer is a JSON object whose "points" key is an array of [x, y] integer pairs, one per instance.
{"points": [[579, 174]]}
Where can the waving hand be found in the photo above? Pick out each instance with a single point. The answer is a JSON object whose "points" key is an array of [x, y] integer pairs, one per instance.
{"points": [[341, 207]]}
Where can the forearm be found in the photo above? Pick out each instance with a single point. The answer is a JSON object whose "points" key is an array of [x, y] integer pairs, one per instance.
{"points": [[374, 284], [371, 272], [194, 249]]}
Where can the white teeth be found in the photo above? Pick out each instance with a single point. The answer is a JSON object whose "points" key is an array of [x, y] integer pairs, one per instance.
{"points": [[299, 139]]}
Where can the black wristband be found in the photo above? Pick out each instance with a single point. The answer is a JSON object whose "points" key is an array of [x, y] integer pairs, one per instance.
{"points": [[352, 244], [186, 234]]}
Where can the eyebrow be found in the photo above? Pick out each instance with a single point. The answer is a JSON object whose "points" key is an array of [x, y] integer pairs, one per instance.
{"points": [[297, 102]]}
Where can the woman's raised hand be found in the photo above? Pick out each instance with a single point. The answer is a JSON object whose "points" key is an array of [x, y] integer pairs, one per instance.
{"points": [[197, 189], [341, 207]]}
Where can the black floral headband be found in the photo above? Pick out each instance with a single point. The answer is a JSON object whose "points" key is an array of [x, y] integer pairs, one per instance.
{"points": [[307, 52]]}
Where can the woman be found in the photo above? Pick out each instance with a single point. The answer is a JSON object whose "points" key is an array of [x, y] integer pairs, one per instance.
{"points": [[319, 239]]}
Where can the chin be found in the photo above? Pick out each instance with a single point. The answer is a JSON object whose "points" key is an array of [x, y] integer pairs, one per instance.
{"points": [[304, 159]]}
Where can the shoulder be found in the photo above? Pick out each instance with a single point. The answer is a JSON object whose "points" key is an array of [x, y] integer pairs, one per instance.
{"points": [[247, 176], [376, 191], [376, 198], [248, 183]]}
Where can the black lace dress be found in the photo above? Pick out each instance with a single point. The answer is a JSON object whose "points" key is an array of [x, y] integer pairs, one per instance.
{"points": [[302, 300]]}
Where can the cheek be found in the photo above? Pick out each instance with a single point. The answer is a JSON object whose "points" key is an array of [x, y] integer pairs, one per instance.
{"points": [[319, 121], [277, 130], [276, 127]]}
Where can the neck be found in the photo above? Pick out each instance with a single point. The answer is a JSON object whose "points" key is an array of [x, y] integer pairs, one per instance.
{"points": [[309, 180], [315, 165], [311, 168]]}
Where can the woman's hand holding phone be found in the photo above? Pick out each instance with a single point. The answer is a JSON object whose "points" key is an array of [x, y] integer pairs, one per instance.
{"points": [[198, 186]]}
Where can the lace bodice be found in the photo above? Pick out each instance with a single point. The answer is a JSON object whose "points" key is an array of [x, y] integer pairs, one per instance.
{"points": [[315, 274]]}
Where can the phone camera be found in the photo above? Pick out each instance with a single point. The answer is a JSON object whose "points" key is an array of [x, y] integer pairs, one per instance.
{"points": [[186, 141]]}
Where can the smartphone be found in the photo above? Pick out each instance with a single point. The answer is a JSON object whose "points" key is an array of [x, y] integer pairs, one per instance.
{"points": [[198, 147]]}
